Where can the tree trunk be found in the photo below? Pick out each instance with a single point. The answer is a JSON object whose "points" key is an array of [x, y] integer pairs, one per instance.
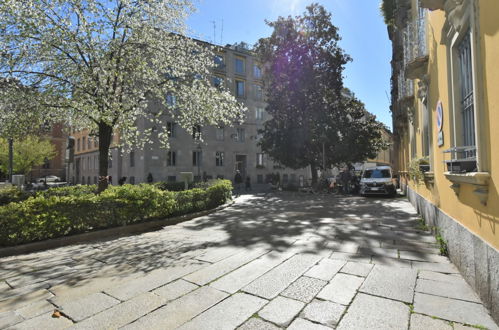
{"points": [[11, 158], [313, 168], [105, 133]]}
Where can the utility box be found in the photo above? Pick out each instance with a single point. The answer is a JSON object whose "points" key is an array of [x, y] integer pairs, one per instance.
{"points": [[187, 177], [18, 180]]}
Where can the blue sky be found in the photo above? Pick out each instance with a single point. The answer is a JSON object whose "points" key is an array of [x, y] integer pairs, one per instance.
{"points": [[361, 26]]}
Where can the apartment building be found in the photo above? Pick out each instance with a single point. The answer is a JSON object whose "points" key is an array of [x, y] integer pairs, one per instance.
{"points": [[220, 152], [446, 127]]}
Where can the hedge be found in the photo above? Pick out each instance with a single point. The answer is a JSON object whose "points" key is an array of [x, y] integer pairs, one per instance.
{"points": [[67, 212]]}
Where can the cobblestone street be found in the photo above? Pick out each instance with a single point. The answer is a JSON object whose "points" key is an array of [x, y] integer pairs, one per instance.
{"points": [[284, 260]]}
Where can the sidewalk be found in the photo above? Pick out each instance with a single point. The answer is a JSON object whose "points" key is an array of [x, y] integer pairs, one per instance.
{"points": [[282, 260]]}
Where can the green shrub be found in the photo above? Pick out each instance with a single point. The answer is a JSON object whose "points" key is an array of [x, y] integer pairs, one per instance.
{"points": [[13, 194], [71, 210]]}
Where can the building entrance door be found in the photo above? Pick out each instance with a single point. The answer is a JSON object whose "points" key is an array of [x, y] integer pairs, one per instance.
{"points": [[241, 165]]}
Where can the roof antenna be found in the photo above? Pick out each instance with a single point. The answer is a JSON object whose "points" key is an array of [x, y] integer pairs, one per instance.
{"points": [[214, 32], [222, 33]]}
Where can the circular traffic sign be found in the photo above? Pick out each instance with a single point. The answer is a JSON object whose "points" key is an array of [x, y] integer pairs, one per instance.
{"points": [[440, 116]]}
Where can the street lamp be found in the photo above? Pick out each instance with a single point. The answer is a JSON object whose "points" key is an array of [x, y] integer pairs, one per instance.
{"points": [[199, 149]]}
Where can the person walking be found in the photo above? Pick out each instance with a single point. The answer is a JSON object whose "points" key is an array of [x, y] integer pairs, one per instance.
{"points": [[238, 179], [248, 183]]}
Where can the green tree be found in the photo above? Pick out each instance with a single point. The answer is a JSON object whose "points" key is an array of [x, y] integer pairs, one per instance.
{"points": [[312, 121], [107, 64], [28, 153]]}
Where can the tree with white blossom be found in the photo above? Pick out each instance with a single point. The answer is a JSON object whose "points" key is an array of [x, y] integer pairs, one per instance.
{"points": [[103, 65]]}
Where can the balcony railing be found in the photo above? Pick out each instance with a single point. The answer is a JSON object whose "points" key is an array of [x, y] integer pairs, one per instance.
{"points": [[462, 159], [405, 87], [415, 46]]}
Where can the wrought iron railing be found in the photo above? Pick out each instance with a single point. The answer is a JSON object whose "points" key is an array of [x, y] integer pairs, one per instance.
{"points": [[462, 159], [415, 43]]}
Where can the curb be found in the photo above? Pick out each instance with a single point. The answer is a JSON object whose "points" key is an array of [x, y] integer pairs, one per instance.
{"points": [[106, 234]]}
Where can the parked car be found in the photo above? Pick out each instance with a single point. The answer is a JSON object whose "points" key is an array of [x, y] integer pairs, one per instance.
{"points": [[377, 181], [49, 178]]}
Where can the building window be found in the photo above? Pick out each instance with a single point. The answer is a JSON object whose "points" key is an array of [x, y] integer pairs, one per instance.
{"points": [[218, 60], [219, 133], [219, 158], [196, 158], [259, 113], [83, 163], [95, 180], [46, 163], [240, 135], [83, 144], [171, 158], [172, 178], [257, 71], [259, 178], [96, 142], [171, 100], [240, 88], [259, 159], [196, 132], [78, 144], [132, 158], [467, 98], [89, 145], [217, 82], [239, 65], [170, 128], [258, 90], [83, 180]]}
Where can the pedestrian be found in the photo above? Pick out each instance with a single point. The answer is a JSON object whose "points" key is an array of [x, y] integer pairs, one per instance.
{"points": [[248, 183], [238, 179]]}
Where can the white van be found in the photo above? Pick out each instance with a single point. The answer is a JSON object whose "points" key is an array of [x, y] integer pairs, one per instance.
{"points": [[377, 181]]}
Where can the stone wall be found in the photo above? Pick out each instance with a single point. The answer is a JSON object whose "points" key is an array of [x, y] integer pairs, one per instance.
{"points": [[477, 261]]}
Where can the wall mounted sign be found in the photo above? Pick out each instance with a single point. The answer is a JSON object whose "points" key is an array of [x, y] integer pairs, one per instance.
{"points": [[440, 124]]}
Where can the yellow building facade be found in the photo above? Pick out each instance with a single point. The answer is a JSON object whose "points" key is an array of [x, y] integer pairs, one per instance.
{"points": [[445, 105]]}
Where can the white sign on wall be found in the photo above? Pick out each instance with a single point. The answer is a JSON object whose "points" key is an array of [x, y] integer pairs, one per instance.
{"points": [[440, 124]]}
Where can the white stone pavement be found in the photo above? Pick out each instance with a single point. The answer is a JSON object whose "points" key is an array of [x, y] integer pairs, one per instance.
{"points": [[283, 260]]}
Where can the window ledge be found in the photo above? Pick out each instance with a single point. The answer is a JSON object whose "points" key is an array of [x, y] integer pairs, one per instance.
{"points": [[474, 178]]}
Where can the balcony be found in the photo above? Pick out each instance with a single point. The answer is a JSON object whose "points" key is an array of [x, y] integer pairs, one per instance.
{"points": [[416, 48], [432, 4], [405, 88]]}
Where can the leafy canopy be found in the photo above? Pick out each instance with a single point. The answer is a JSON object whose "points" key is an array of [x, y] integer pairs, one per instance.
{"points": [[28, 153], [102, 62], [309, 107]]}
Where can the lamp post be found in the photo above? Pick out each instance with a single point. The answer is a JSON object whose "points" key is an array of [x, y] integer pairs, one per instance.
{"points": [[199, 149]]}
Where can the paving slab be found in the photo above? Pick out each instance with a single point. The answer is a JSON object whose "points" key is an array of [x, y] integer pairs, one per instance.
{"points": [[281, 310], [357, 268], [324, 312], [175, 289], [152, 280], [351, 257], [422, 322], [20, 301], [218, 269], [275, 281], [446, 268], [454, 290], [369, 312], [123, 313], [82, 308], [326, 269], [9, 318], [35, 309], [244, 275], [422, 256], [391, 282], [228, 314], [302, 324], [45, 321], [179, 311], [304, 289], [256, 323], [435, 276], [377, 251], [453, 310], [392, 262], [341, 289], [214, 254]]}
